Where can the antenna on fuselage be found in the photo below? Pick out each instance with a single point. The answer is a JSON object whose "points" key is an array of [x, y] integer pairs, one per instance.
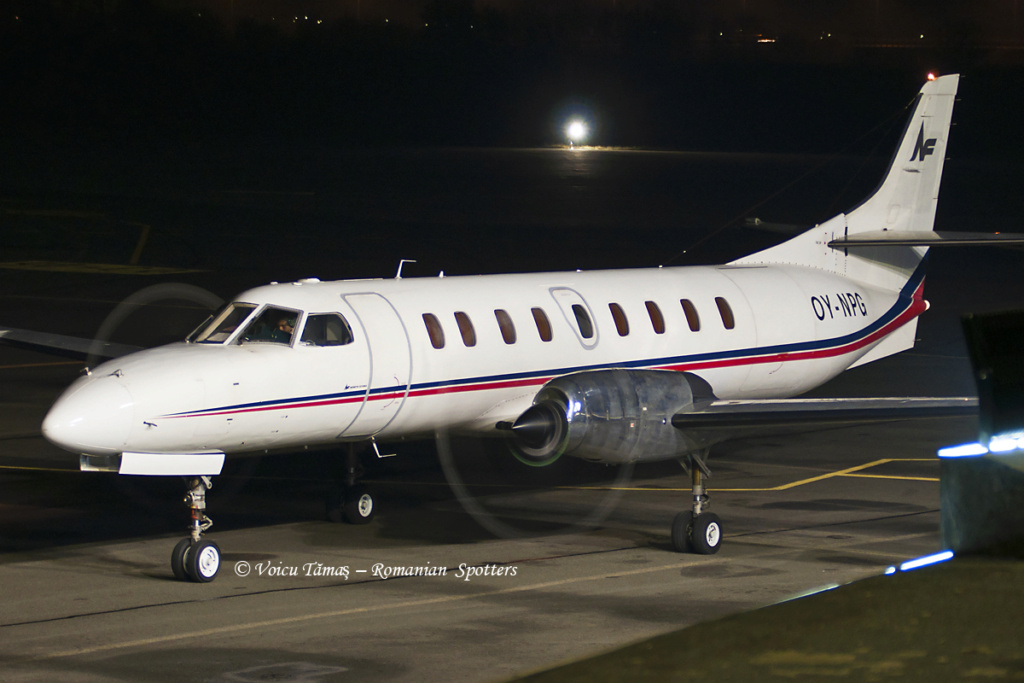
{"points": [[402, 262]]}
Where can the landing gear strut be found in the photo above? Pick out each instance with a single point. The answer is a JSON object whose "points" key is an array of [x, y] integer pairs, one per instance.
{"points": [[348, 500], [195, 558], [697, 531]]}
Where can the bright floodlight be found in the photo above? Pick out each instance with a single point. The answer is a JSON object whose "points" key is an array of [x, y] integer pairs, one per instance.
{"points": [[576, 131]]}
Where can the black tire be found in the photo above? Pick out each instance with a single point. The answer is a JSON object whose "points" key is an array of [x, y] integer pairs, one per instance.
{"points": [[681, 527], [706, 536], [178, 559], [359, 506], [202, 561]]}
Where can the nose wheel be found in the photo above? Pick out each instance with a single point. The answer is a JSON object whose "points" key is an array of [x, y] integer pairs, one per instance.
{"points": [[195, 558], [696, 530]]}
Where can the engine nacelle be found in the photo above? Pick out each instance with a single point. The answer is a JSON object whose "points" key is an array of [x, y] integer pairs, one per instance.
{"points": [[610, 416]]}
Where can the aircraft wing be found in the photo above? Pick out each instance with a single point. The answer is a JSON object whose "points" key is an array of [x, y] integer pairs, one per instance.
{"points": [[62, 345], [889, 238], [725, 420]]}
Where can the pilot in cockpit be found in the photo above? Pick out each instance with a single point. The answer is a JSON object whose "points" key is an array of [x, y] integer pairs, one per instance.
{"points": [[283, 333]]}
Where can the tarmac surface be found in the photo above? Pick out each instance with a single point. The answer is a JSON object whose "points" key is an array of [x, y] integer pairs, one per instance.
{"points": [[584, 565], [88, 592]]}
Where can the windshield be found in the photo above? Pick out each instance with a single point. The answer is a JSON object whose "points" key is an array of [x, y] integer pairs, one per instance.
{"points": [[272, 325], [223, 324]]}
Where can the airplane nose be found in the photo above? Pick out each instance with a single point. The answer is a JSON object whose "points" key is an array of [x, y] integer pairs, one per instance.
{"points": [[94, 419]]}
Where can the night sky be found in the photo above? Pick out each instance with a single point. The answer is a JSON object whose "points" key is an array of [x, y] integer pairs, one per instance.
{"points": [[491, 72]]}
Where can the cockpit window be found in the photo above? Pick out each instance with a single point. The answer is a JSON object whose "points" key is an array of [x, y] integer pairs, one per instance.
{"points": [[272, 325], [218, 328], [327, 329]]}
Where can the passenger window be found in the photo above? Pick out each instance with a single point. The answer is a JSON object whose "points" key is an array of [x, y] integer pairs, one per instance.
{"points": [[508, 330], [726, 312], [543, 324], [465, 328], [328, 329], [692, 319], [434, 330], [657, 320], [272, 325], [619, 316], [583, 321]]}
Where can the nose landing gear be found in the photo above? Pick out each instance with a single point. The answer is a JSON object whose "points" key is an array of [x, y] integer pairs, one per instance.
{"points": [[195, 558]]}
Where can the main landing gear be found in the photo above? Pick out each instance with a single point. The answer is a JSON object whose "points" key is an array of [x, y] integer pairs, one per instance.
{"points": [[195, 558], [697, 531], [348, 500]]}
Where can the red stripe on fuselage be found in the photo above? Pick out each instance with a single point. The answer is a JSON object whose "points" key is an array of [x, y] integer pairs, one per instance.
{"points": [[917, 306]]}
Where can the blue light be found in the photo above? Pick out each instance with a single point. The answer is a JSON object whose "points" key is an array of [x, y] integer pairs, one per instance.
{"points": [[967, 450], [926, 560], [1001, 443]]}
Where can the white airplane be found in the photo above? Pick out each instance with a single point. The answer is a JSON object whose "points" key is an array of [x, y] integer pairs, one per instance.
{"points": [[616, 366]]}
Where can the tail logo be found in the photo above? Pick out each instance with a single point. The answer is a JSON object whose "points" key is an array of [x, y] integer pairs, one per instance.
{"points": [[923, 147]]}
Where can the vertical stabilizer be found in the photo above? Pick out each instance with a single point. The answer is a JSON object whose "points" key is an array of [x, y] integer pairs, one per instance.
{"points": [[904, 202], [909, 193]]}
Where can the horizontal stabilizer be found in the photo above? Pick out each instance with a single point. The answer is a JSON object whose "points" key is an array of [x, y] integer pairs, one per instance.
{"points": [[62, 345], [922, 238]]}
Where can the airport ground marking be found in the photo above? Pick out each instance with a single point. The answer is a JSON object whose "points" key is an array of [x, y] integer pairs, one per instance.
{"points": [[40, 365], [890, 476], [26, 468], [848, 472], [97, 268], [426, 602], [141, 244]]}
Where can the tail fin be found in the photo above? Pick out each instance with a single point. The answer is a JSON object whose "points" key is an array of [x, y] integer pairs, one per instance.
{"points": [[906, 199], [904, 203], [896, 217]]}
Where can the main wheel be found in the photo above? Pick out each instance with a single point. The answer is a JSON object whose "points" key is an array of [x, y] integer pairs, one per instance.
{"points": [[359, 507], [681, 527], [178, 559], [202, 561], [706, 535]]}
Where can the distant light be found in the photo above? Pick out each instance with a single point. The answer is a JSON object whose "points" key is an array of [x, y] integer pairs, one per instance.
{"points": [[931, 76], [576, 131], [926, 561]]}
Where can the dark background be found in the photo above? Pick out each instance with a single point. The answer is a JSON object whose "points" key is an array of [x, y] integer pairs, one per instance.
{"points": [[151, 74], [282, 139]]}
